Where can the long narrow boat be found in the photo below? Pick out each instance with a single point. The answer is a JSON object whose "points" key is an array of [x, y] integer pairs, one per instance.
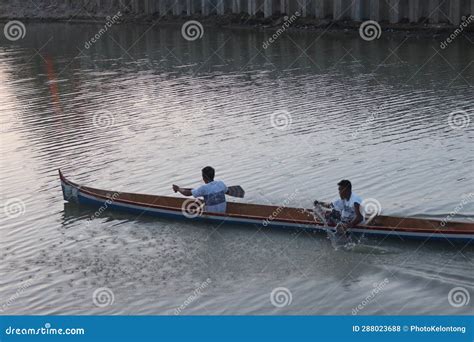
{"points": [[267, 215]]}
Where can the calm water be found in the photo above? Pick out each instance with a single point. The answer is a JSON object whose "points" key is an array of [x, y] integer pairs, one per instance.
{"points": [[143, 108]]}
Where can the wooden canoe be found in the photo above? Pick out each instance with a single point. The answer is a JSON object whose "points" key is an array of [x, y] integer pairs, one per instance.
{"points": [[266, 215]]}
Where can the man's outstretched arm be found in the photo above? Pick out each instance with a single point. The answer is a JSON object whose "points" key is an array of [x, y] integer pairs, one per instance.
{"points": [[182, 191]]}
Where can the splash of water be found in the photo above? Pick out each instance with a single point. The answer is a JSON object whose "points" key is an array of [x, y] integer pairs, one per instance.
{"points": [[337, 240]]}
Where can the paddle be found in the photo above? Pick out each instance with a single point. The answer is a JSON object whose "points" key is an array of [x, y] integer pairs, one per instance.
{"points": [[234, 191]]}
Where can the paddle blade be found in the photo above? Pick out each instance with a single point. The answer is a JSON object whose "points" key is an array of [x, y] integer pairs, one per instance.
{"points": [[235, 191]]}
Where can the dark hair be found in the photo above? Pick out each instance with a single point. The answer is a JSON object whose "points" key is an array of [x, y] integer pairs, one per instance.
{"points": [[345, 184], [208, 173]]}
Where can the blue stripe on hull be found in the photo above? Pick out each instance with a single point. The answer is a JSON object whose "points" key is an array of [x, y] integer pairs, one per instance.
{"points": [[98, 203], [178, 215]]}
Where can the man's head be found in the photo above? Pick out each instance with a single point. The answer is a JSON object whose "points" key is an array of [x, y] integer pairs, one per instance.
{"points": [[345, 189], [208, 174]]}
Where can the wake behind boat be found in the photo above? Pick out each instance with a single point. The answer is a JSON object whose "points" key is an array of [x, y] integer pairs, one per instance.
{"points": [[257, 214]]}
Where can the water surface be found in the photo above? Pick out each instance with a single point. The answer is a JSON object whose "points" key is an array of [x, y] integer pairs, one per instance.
{"points": [[144, 108]]}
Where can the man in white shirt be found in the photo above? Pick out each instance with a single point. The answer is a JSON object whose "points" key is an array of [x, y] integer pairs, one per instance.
{"points": [[348, 206], [213, 192]]}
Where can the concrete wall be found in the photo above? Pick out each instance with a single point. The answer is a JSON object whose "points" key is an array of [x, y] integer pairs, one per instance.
{"points": [[393, 11], [390, 11]]}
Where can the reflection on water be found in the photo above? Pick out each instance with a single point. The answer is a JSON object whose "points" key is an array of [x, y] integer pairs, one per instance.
{"points": [[143, 108]]}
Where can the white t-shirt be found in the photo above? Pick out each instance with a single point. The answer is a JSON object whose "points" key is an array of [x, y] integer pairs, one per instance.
{"points": [[346, 207], [214, 196]]}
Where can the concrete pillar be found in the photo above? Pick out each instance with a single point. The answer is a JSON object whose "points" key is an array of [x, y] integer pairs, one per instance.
{"points": [[455, 12], [149, 7], [135, 6], [115, 5], [236, 6], [285, 6], [220, 7], [414, 11], [433, 11], [356, 12], [375, 10], [205, 7], [303, 7], [337, 9], [252, 7], [319, 9], [189, 8], [121, 5], [102, 5], [268, 8], [162, 7], [176, 7], [394, 11]]}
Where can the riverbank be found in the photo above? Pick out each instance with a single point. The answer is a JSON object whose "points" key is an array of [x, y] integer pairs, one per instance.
{"points": [[421, 30], [91, 12]]}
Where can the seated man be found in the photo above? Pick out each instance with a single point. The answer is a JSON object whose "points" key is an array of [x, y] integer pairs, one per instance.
{"points": [[212, 191], [346, 209]]}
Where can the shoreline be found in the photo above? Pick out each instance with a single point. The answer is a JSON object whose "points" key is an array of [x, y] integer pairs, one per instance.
{"points": [[246, 22]]}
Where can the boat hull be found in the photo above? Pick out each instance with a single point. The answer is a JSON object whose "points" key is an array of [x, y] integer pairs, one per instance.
{"points": [[258, 215]]}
